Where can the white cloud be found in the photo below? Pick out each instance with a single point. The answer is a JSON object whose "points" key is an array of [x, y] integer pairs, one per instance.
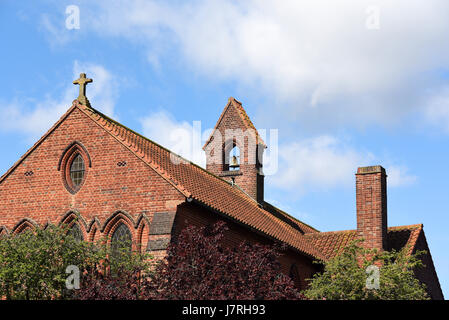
{"points": [[56, 34], [179, 137], [438, 108], [398, 176], [319, 163], [316, 59], [35, 118], [326, 162]]}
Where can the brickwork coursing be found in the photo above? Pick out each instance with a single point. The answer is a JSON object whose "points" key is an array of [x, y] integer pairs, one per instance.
{"points": [[233, 129], [371, 202]]}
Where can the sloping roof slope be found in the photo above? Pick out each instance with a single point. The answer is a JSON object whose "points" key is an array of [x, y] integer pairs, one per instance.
{"points": [[332, 243]]}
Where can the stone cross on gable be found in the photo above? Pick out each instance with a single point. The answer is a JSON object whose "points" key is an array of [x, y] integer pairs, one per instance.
{"points": [[82, 82]]}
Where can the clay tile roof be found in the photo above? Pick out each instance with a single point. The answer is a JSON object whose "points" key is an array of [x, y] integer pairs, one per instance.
{"points": [[243, 115], [399, 237], [206, 188], [331, 243]]}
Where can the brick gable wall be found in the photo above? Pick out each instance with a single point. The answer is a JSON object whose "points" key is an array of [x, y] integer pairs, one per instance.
{"points": [[428, 275], [118, 186]]}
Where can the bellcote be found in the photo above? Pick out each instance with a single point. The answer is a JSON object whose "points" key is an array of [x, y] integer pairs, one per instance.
{"points": [[234, 150]]}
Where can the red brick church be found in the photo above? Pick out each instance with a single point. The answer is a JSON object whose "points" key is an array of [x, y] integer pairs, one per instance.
{"points": [[103, 179]]}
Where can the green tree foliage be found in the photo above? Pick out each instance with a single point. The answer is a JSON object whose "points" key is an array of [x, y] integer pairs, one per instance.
{"points": [[345, 276], [33, 264]]}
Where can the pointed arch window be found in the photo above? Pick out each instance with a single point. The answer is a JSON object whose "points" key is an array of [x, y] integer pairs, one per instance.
{"points": [[76, 233], [74, 164], [25, 225], [121, 240], [3, 232]]}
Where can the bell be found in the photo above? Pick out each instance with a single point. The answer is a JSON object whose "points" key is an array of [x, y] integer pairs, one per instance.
{"points": [[234, 162]]}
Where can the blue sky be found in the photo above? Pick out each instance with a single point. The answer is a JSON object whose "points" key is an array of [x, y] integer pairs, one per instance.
{"points": [[342, 91]]}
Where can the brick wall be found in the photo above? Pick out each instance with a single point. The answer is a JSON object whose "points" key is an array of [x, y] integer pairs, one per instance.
{"points": [[428, 275]]}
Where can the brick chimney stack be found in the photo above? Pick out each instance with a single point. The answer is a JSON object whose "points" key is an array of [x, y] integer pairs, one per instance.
{"points": [[371, 198]]}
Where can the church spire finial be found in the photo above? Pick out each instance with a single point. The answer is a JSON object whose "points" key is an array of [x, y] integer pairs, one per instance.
{"points": [[82, 82]]}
